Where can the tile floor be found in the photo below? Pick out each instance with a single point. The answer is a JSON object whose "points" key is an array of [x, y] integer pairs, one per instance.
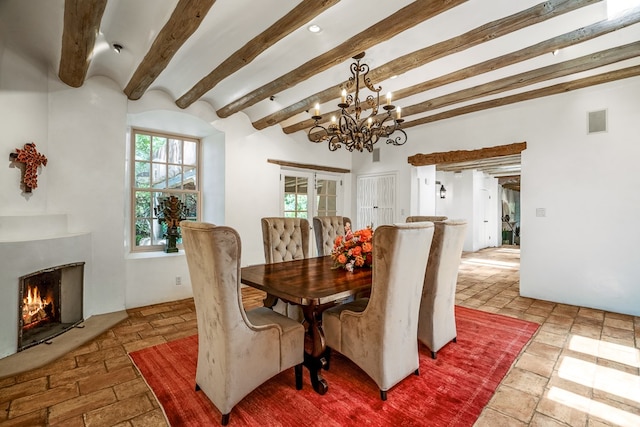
{"points": [[580, 369]]}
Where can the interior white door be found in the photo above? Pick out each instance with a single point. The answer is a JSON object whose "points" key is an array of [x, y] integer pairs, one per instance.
{"points": [[376, 200]]}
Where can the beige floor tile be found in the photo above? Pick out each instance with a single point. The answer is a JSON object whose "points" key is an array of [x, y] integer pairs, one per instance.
{"points": [[493, 418], [513, 403]]}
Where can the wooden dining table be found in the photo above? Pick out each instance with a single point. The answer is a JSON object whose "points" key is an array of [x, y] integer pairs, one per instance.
{"points": [[315, 285]]}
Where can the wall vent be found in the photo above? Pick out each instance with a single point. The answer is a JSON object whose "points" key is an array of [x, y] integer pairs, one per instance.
{"points": [[376, 155], [597, 121]]}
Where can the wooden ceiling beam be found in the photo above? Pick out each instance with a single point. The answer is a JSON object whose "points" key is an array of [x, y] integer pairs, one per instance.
{"points": [[184, 21], [577, 65], [80, 29], [459, 43], [566, 68], [297, 17], [532, 94], [466, 155], [407, 17]]}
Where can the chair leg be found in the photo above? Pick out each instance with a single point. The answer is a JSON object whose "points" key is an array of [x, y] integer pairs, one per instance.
{"points": [[455, 339], [298, 373], [433, 354], [383, 394], [417, 372], [197, 387], [225, 419]]}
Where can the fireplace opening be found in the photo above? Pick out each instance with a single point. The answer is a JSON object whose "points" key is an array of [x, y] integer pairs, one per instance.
{"points": [[50, 303]]}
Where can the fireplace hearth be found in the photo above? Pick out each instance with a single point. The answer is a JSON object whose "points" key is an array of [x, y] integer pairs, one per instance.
{"points": [[50, 303]]}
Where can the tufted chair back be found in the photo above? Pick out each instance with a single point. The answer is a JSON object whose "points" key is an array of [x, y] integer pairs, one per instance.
{"points": [[426, 218], [437, 323], [379, 334], [238, 350], [326, 229], [285, 239]]}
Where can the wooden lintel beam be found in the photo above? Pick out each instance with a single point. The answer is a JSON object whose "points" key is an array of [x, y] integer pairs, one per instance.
{"points": [[308, 166], [184, 21], [80, 29], [466, 155]]}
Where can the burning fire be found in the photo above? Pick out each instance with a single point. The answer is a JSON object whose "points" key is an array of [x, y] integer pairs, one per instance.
{"points": [[35, 307]]}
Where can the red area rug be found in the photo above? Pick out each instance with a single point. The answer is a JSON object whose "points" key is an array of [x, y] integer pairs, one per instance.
{"points": [[450, 391]]}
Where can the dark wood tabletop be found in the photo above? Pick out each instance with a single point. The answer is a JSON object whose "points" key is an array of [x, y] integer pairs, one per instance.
{"points": [[315, 285], [309, 281]]}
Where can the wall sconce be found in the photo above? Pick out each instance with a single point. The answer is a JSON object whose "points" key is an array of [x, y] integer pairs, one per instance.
{"points": [[443, 191]]}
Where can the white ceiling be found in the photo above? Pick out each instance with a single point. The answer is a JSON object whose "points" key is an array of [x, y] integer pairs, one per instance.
{"points": [[35, 27]]}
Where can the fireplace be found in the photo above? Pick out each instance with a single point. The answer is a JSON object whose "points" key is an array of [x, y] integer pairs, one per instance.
{"points": [[50, 303]]}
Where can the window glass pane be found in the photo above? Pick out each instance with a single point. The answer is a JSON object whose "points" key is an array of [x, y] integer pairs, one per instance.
{"points": [[190, 153], [143, 147], [191, 203], [175, 151], [322, 204], [159, 174], [289, 202], [175, 176], [289, 214], [142, 175], [143, 204], [331, 204], [289, 184], [143, 232], [302, 185], [331, 187], [158, 234], [159, 147], [189, 179], [301, 202]]}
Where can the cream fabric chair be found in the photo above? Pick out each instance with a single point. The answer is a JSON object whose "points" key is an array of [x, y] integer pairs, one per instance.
{"points": [[379, 334], [285, 239], [326, 229], [426, 218], [237, 350], [437, 323]]}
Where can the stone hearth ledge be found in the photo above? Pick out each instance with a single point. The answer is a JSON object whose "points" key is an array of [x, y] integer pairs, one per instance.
{"points": [[41, 354]]}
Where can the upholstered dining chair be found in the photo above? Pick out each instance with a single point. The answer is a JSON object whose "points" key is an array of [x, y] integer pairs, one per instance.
{"points": [[285, 239], [379, 334], [419, 218], [238, 350], [326, 229], [437, 323]]}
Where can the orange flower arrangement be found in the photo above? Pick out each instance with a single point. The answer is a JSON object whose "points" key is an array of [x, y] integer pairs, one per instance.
{"points": [[354, 249]]}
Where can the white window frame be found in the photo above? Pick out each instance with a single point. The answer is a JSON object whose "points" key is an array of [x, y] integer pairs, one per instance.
{"points": [[313, 177], [178, 192]]}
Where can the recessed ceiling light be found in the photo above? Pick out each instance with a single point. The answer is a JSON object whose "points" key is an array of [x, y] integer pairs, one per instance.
{"points": [[117, 47], [314, 28], [394, 77], [556, 52]]}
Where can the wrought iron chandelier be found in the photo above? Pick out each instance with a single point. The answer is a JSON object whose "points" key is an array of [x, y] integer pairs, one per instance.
{"points": [[350, 129]]}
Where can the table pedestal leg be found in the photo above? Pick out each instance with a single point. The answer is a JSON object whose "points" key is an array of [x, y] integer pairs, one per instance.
{"points": [[314, 355]]}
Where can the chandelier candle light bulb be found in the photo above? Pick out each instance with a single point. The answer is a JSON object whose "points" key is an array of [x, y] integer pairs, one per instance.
{"points": [[350, 129]]}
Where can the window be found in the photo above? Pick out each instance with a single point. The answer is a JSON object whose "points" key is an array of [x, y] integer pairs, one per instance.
{"points": [[163, 165], [307, 194]]}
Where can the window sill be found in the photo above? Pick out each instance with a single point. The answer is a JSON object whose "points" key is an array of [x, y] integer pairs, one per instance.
{"points": [[153, 254]]}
